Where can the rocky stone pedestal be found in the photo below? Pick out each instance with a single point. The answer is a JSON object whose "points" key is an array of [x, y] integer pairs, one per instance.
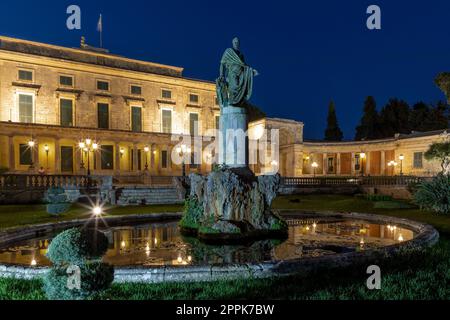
{"points": [[232, 204]]}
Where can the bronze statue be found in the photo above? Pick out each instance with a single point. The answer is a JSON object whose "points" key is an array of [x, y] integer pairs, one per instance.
{"points": [[234, 85]]}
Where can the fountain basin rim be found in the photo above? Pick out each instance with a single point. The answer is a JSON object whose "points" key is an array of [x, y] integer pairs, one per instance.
{"points": [[426, 236]]}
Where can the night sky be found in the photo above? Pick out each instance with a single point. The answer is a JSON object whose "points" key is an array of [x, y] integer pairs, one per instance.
{"points": [[307, 52]]}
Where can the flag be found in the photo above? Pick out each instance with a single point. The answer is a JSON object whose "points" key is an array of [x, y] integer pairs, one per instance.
{"points": [[100, 24]]}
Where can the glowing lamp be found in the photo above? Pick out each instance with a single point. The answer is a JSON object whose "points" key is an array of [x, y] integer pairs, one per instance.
{"points": [[97, 210]]}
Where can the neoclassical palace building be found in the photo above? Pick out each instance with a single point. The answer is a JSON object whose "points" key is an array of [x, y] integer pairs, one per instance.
{"points": [[55, 100]]}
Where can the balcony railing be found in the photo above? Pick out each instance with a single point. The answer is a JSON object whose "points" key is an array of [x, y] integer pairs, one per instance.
{"points": [[37, 181], [345, 181]]}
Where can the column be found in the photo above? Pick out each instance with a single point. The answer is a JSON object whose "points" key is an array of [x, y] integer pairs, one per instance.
{"points": [[367, 164], [77, 154], [135, 158], [324, 163], [152, 156], [98, 159], [11, 158], [57, 157], [118, 158], [338, 164], [383, 163], [298, 163], [352, 161]]}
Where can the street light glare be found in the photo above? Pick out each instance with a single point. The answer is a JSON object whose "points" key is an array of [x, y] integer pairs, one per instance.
{"points": [[97, 210]]}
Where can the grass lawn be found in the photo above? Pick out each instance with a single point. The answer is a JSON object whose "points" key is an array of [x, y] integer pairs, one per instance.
{"points": [[406, 277], [18, 215]]}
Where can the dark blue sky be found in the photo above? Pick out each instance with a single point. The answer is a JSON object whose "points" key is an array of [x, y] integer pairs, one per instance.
{"points": [[307, 52]]}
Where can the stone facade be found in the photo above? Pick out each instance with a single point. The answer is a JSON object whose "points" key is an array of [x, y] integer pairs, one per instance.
{"points": [[149, 147]]}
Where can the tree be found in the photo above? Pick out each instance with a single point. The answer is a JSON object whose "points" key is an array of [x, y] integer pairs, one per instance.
{"points": [[332, 132], [440, 151], [440, 116], [368, 127], [394, 118], [419, 117]]}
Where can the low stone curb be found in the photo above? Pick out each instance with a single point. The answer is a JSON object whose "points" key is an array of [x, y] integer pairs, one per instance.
{"points": [[426, 236]]}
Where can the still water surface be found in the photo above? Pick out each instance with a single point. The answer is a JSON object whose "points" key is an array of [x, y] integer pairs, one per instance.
{"points": [[156, 244]]}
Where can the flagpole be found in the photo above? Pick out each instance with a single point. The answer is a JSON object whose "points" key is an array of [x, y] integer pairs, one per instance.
{"points": [[101, 31]]}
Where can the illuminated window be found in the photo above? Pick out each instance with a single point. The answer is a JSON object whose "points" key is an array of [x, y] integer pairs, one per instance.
{"points": [[136, 119], [166, 121], [136, 90], [164, 160], [25, 75], [166, 94], [66, 112], [103, 115], [102, 85], [25, 108], [25, 154], [418, 160], [193, 98], [66, 159], [66, 81], [106, 157], [193, 124]]}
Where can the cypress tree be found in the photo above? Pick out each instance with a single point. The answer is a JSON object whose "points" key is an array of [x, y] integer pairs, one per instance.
{"points": [[332, 132], [368, 126]]}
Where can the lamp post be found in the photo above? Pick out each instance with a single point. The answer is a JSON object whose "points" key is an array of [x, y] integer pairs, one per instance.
{"points": [[31, 145], [182, 151], [362, 156], [392, 164], [314, 165], [146, 150], [401, 157], [46, 149], [88, 146], [274, 165]]}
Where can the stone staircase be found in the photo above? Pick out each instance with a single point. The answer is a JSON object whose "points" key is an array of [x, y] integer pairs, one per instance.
{"points": [[148, 195]]}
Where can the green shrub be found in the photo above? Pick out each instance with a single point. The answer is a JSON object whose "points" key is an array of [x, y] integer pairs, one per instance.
{"points": [[74, 246], [434, 194], [377, 197], [95, 277], [82, 249], [193, 213], [392, 205]]}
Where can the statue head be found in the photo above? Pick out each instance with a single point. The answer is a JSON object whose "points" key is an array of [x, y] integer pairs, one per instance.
{"points": [[236, 43]]}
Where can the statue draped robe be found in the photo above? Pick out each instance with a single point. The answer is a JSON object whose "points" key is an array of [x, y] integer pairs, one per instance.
{"points": [[235, 85]]}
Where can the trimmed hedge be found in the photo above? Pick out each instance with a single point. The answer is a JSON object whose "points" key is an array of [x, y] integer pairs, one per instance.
{"points": [[74, 246], [81, 249]]}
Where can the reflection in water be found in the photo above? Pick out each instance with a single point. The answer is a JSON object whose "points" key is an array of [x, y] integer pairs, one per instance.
{"points": [[158, 244]]}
